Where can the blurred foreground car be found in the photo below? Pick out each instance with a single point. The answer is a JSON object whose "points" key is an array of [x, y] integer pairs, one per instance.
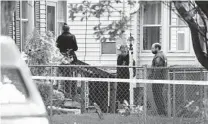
{"points": [[20, 101]]}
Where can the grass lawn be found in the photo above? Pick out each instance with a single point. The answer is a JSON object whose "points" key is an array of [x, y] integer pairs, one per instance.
{"points": [[92, 118]]}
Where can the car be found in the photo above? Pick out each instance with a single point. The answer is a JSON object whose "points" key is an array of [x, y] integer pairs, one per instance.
{"points": [[20, 101]]}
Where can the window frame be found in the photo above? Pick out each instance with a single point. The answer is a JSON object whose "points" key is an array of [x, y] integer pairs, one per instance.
{"points": [[53, 4], [107, 54], [187, 36], [64, 20], [150, 25]]}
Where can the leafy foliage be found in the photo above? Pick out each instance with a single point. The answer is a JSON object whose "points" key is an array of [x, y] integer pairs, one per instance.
{"points": [[113, 30], [41, 50], [46, 92], [192, 12]]}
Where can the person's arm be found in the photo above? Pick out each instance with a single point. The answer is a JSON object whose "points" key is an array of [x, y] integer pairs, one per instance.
{"points": [[119, 60], [134, 69], [58, 42], [75, 44]]}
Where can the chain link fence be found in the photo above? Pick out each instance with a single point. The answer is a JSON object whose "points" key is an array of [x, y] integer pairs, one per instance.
{"points": [[141, 94]]}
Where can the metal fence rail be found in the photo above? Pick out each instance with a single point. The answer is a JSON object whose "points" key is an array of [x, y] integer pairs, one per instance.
{"points": [[155, 95]]}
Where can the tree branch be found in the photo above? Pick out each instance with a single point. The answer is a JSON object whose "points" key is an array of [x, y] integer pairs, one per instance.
{"points": [[201, 56]]}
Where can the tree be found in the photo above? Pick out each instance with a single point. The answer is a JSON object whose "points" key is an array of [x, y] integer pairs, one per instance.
{"points": [[186, 11], [7, 10]]}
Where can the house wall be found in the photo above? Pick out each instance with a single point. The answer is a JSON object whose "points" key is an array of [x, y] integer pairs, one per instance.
{"points": [[90, 49], [34, 17], [186, 57]]}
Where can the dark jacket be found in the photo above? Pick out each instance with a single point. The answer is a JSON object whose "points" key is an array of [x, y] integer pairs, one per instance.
{"points": [[158, 63], [67, 41], [123, 72]]}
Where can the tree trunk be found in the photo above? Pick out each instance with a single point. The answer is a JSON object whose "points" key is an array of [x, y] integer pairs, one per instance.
{"points": [[7, 10], [201, 56]]}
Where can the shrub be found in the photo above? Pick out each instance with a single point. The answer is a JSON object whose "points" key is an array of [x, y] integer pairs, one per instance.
{"points": [[45, 91], [41, 50]]}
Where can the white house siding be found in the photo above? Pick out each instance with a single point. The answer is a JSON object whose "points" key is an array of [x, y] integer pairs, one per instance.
{"points": [[43, 10], [174, 57], [90, 49]]}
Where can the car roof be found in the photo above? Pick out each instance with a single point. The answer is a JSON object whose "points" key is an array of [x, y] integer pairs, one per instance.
{"points": [[10, 55]]}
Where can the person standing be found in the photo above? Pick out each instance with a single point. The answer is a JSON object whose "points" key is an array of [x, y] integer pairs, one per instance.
{"points": [[67, 45], [123, 72], [159, 73]]}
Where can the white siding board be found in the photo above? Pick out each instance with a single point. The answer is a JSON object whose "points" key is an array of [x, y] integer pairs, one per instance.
{"points": [[92, 47], [42, 7]]}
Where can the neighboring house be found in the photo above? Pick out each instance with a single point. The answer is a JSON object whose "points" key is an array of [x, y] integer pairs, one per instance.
{"points": [[154, 22], [41, 14]]}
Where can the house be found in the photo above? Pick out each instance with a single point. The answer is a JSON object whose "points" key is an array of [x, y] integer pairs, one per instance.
{"points": [[153, 22], [43, 15]]}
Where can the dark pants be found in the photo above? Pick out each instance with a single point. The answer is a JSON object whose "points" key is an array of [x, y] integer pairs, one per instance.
{"points": [[68, 87], [123, 92], [157, 90]]}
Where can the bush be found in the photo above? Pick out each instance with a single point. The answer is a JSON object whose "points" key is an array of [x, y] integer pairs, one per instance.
{"points": [[41, 49], [45, 92]]}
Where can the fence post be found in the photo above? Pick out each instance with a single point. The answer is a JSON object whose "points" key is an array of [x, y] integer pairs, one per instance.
{"points": [[169, 95], [113, 90], [51, 96], [108, 97], [131, 85], [145, 96], [174, 98], [82, 97], [184, 87]]}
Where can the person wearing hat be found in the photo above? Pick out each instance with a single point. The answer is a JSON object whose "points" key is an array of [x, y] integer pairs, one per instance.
{"points": [[67, 43], [123, 72]]}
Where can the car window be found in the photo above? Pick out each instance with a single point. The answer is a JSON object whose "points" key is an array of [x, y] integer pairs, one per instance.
{"points": [[12, 87]]}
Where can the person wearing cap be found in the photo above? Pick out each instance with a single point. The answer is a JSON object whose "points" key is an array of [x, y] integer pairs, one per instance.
{"points": [[159, 73], [123, 72]]}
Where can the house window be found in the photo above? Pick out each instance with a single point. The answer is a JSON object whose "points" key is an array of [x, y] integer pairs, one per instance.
{"points": [[61, 15], [179, 33], [24, 22], [108, 48], [51, 19], [151, 24]]}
